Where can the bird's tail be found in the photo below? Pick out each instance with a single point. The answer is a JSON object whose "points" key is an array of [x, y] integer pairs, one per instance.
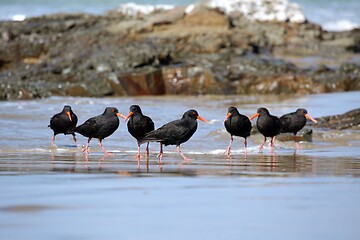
{"points": [[71, 131], [148, 139]]}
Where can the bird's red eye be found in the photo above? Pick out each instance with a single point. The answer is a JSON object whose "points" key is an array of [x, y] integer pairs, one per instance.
{"points": [[194, 113], [113, 110]]}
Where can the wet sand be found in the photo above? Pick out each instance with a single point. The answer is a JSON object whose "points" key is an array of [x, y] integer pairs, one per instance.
{"points": [[54, 192], [98, 206]]}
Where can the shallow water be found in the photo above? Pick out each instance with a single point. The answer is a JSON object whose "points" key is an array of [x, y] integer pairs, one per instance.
{"points": [[53, 192]]}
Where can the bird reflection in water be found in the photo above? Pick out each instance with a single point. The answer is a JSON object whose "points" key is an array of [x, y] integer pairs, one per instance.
{"points": [[60, 163], [269, 161]]}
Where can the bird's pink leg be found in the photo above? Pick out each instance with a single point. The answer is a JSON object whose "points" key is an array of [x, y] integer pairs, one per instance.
{"points": [[106, 152], [160, 153], [86, 149], [184, 157], [74, 138], [138, 156], [272, 144], [245, 149], [262, 145], [296, 143], [147, 149], [53, 139], [227, 152]]}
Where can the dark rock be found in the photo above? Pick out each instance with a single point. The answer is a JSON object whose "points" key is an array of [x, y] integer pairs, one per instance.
{"points": [[22, 91], [347, 120], [169, 52], [350, 68], [304, 134]]}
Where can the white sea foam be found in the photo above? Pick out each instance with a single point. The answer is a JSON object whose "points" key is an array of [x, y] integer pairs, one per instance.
{"points": [[18, 17], [262, 10], [234, 151], [190, 8], [340, 25], [133, 9]]}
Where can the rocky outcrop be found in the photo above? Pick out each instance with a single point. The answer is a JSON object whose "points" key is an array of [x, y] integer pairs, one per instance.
{"points": [[347, 120], [169, 52]]}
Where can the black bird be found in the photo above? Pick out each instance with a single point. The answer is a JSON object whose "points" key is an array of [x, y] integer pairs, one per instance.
{"points": [[295, 121], [237, 125], [100, 127], [138, 125], [175, 132], [268, 125], [63, 122]]}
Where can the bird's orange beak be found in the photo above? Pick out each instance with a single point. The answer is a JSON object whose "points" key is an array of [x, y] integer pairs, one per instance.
{"points": [[120, 115], [227, 116], [202, 119], [69, 115], [254, 116], [128, 116], [310, 117]]}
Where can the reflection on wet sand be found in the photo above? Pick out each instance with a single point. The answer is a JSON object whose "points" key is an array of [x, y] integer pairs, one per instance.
{"points": [[331, 152], [207, 146], [251, 164]]}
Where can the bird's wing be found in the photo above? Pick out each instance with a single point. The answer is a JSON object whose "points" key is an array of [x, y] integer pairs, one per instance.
{"points": [[170, 130], [285, 121], [54, 119], [150, 122], [89, 126]]}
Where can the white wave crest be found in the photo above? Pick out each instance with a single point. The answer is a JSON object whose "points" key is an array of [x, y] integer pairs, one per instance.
{"points": [[340, 25], [262, 10], [133, 9], [18, 17]]}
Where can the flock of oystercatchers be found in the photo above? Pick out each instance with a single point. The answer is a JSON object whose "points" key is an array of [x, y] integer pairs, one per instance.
{"points": [[176, 132]]}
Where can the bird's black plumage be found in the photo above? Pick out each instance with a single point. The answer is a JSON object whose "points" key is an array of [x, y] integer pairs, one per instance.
{"points": [[139, 125], [175, 132], [64, 122], [267, 124], [237, 125], [101, 126], [295, 121]]}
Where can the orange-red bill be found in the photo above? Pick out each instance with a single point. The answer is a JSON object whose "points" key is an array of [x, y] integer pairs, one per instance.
{"points": [[69, 115], [120, 115], [202, 119], [227, 116], [128, 116], [254, 116], [310, 117]]}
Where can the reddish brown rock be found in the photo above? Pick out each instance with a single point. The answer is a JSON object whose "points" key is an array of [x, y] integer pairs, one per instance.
{"points": [[143, 83], [190, 80]]}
